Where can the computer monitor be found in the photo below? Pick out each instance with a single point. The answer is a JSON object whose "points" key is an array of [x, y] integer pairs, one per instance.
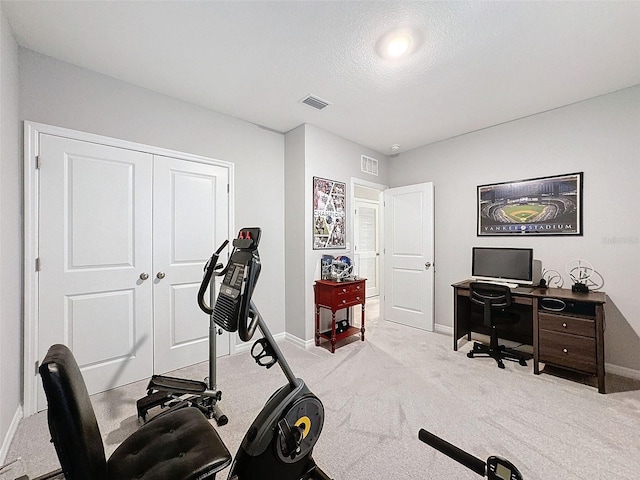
{"points": [[511, 265]]}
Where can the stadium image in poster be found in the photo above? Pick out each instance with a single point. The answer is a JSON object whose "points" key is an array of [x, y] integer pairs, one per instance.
{"points": [[538, 206]]}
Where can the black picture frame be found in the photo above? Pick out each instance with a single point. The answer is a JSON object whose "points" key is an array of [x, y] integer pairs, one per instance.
{"points": [[543, 206], [329, 214]]}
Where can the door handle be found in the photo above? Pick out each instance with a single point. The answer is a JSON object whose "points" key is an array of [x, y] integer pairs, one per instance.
{"points": [[160, 275], [144, 276], [427, 265]]}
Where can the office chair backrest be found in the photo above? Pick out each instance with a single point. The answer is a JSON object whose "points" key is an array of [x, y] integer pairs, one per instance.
{"points": [[72, 421], [491, 296]]}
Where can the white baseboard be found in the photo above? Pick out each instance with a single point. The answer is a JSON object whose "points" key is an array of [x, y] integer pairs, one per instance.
{"points": [[246, 346], [443, 329], [6, 442], [622, 371], [298, 342]]}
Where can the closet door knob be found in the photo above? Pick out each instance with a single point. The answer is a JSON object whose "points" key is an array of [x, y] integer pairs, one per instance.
{"points": [[160, 275], [144, 276]]}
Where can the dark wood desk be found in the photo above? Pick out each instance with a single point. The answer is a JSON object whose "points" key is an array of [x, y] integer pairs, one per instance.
{"points": [[566, 329], [336, 296]]}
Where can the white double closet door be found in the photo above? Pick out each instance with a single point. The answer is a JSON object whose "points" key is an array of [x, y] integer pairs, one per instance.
{"points": [[123, 237]]}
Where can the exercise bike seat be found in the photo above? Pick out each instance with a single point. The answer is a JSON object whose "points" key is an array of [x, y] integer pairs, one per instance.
{"points": [[179, 445], [182, 445]]}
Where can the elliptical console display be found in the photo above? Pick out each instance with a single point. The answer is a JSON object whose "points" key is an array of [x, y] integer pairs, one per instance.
{"points": [[240, 277]]}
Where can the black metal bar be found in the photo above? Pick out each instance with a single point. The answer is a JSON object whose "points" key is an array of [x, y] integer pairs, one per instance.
{"points": [[459, 455], [206, 279], [318, 474], [266, 333]]}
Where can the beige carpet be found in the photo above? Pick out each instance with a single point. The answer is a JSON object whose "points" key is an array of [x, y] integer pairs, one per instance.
{"points": [[377, 395]]}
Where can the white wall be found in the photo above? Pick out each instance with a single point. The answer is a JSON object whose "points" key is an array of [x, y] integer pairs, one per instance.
{"points": [[10, 239], [330, 156], [57, 93], [295, 208], [600, 137]]}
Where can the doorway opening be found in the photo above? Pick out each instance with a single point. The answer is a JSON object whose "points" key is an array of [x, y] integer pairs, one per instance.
{"points": [[367, 208]]}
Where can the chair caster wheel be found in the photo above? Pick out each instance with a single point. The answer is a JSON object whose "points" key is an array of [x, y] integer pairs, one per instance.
{"points": [[500, 365], [523, 363], [470, 354]]}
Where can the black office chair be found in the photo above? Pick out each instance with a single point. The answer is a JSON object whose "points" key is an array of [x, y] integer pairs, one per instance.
{"points": [[181, 445], [494, 299]]}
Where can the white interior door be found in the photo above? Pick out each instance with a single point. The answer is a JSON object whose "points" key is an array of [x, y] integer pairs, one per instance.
{"points": [[366, 243], [190, 221], [94, 243], [408, 255]]}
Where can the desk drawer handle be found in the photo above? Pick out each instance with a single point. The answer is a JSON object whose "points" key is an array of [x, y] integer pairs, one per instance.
{"points": [[564, 350], [564, 325], [344, 301], [344, 290], [358, 298]]}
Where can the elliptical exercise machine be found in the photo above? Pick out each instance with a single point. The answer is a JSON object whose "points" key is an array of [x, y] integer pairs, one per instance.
{"points": [[280, 441], [179, 392]]}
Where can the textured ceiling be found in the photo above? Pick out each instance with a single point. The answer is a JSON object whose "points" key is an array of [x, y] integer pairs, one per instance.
{"points": [[473, 65]]}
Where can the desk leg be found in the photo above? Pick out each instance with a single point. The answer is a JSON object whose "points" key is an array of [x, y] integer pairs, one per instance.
{"points": [[455, 319], [600, 348], [362, 324], [317, 326], [333, 331], [536, 332]]}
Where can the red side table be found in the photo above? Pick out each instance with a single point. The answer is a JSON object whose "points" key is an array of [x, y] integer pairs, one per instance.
{"points": [[336, 296]]}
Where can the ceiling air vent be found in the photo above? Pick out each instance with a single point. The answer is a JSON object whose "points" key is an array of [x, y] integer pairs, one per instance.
{"points": [[369, 165], [315, 102]]}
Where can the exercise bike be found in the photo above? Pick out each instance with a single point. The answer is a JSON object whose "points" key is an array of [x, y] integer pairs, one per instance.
{"points": [[495, 468], [177, 393], [280, 441]]}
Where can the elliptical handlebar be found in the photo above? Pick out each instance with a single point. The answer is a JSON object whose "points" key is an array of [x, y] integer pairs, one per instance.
{"points": [[495, 468], [209, 269], [246, 331]]}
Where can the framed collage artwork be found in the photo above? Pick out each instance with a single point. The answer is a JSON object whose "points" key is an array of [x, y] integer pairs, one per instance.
{"points": [[329, 214]]}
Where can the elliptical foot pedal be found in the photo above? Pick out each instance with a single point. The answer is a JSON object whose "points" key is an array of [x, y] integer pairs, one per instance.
{"points": [[173, 384], [152, 400]]}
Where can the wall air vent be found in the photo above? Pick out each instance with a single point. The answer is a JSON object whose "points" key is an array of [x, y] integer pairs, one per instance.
{"points": [[315, 102], [369, 165]]}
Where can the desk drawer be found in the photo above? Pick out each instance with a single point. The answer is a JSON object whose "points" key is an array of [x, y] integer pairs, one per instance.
{"points": [[567, 324], [571, 351]]}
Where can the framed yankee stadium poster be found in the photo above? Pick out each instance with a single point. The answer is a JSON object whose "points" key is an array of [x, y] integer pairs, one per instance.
{"points": [[329, 214], [537, 206]]}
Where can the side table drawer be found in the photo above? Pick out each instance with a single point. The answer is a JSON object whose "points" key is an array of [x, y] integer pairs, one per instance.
{"points": [[348, 289], [348, 295], [571, 351], [348, 298], [567, 324], [349, 301]]}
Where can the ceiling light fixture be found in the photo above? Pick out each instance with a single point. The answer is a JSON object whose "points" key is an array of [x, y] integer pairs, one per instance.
{"points": [[398, 43], [398, 46], [395, 147]]}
